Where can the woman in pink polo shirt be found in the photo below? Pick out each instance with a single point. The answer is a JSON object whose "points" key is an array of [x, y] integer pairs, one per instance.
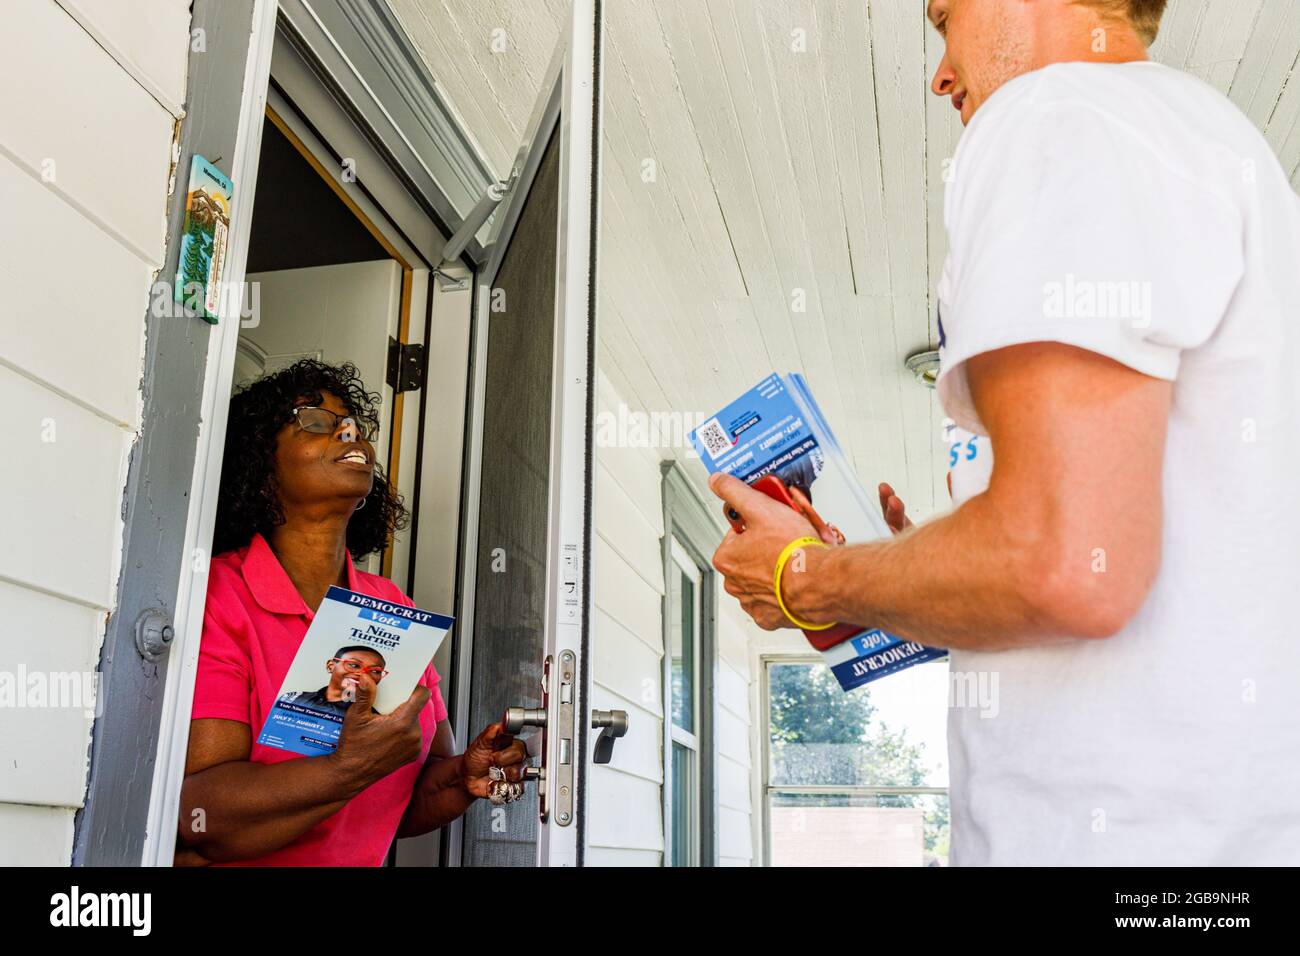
{"points": [[301, 496]]}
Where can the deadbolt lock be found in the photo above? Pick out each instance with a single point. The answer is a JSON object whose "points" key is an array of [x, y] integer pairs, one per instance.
{"points": [[517, 719]]}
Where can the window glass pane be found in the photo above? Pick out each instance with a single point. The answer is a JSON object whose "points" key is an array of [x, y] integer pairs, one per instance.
{"points": [[890, 733], [683, 634], [845, 830], [684, 836]]}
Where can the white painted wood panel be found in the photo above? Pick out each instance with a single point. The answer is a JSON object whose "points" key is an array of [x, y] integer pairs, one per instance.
{"points": [[633, 817], [82, 120], [734, 838], [471, 46], [732, 689], [635, 471], [735, 631], [84, 339], [50, 647], [624, 595], [620, 856], [627, 668], [35, 836], [70, 493], [626, 530], [733, 784], [144, 37], [626, 665], [1268, 60], [732, 734], [1217, 51]]}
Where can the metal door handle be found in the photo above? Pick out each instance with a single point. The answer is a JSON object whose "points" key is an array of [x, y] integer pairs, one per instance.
{"points": [[612, 724], [517, 719]]}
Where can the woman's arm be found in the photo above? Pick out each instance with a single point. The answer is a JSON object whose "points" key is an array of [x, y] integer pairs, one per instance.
{"points": [[440, 794], [234, 809]]}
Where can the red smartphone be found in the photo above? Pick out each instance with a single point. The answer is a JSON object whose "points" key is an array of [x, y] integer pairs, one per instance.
{"points": [[775, 488], [770, 485]]}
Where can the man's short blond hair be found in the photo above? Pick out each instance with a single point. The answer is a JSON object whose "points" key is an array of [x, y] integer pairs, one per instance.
{"points": [[1144, 15]]}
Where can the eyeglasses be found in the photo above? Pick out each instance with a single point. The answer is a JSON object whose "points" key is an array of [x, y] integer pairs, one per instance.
{"points": [[321, 421], [352, 665]]}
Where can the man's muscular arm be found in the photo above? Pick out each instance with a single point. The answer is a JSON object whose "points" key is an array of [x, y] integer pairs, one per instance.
{"points": [[1078, 445]]}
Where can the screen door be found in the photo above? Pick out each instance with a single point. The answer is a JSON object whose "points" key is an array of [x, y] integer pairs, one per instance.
{"points": [[528, 554]]}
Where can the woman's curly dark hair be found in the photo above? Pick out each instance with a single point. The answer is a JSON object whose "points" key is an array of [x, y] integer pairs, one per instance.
{"points": [[249, 501]]}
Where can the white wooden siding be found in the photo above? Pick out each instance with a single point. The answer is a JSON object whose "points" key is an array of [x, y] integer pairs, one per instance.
{"points": [[625, 809], [34, 836], [85, 155], [141, 37]]}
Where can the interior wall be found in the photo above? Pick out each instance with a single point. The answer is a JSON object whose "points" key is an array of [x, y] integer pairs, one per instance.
{"points": [[625, 801]]}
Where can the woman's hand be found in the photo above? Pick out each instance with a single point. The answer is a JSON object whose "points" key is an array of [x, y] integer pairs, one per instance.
{"points": [[492, 748], [891, 506], [372, 746]]}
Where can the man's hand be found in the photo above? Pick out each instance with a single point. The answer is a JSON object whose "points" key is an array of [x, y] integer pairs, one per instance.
{"points": [[747, 561]]}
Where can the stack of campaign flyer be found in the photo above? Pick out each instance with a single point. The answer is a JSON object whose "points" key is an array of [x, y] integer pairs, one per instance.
{"points": [[352, 634], [777, 428]]}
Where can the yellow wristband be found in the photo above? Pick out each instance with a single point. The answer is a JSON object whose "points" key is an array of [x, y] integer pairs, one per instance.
{"points": [[795, 545]]}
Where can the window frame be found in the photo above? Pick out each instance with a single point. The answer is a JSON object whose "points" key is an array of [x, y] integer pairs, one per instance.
{"points": [[767, 789], [690, 534], [683, 565]]}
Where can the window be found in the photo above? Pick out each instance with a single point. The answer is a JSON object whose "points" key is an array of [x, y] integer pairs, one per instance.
{"points": [[690, 788], [858, 778]]}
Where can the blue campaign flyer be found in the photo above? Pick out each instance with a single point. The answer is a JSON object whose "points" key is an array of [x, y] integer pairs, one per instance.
{"points": [[777, 428], [353, 638]]}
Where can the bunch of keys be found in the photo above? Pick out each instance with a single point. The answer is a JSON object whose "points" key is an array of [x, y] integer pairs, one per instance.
{"points": [[502, 791]]}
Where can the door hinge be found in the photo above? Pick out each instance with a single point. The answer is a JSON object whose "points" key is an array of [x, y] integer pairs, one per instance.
{"points": [[405, 365]]}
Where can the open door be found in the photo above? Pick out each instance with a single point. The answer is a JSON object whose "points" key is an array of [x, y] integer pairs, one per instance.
{"points": [[526, 607]]}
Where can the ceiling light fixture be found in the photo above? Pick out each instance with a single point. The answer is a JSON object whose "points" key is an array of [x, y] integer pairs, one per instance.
{"points": [[924, 367]]}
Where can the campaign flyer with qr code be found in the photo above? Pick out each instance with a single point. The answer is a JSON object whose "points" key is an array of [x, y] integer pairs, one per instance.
{"points": [[203, 241], [351, 635], [777, 428]]}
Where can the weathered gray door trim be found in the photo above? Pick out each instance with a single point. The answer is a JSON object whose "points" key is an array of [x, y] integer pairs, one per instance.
{"points": [[110, 828], [696, 528]]}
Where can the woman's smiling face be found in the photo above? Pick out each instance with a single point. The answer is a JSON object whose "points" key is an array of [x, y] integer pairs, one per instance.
{"points": [[312, 468]]}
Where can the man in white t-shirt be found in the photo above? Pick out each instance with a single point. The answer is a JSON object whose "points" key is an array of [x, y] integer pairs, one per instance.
{"points": [[1120, 336]]}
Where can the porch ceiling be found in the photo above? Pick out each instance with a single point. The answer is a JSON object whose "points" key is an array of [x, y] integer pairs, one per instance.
{"points": [[744, 177]]}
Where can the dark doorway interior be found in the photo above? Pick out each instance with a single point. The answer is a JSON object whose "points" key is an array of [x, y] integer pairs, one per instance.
{"points": [[298, 221]]}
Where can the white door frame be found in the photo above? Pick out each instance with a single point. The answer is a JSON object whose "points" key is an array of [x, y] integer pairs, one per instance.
{"points": [[191, 592], [409, 230], [570, 99]]}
